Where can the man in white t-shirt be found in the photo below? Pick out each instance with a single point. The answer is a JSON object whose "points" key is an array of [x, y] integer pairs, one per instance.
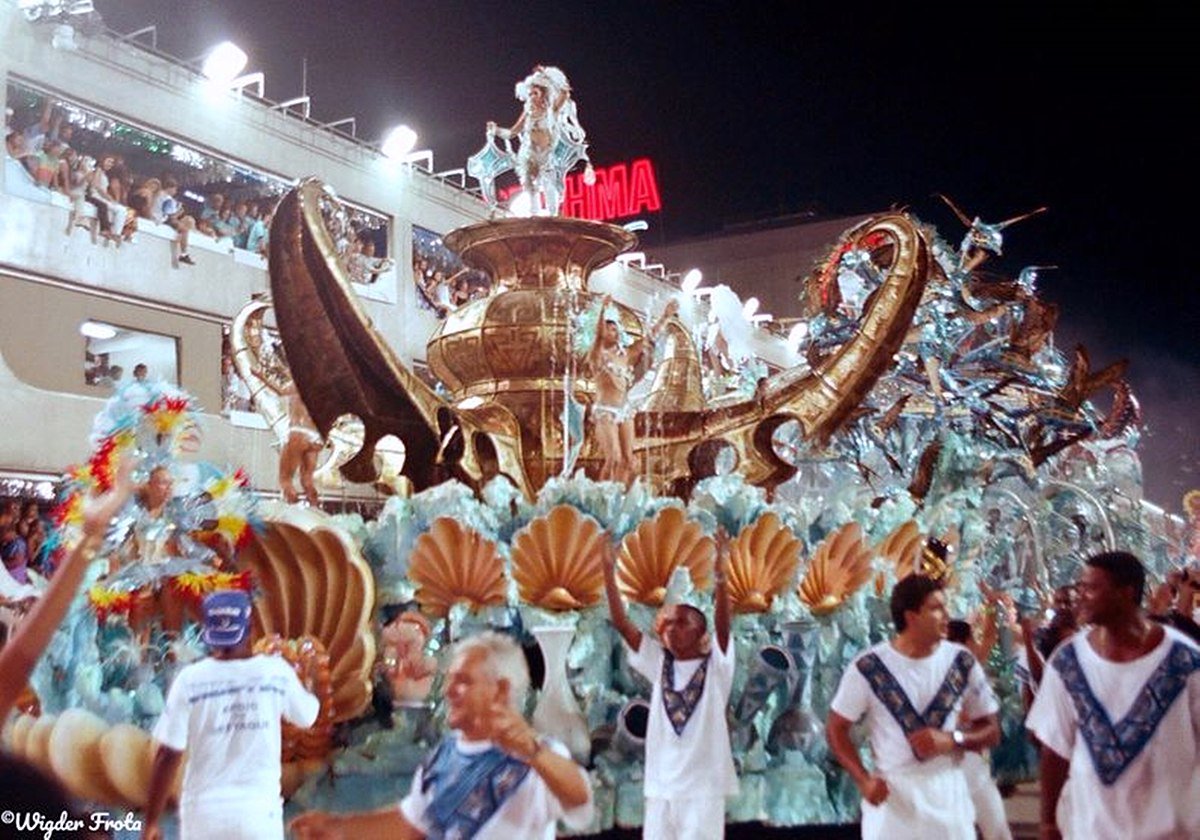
{"points": [[226, 711], [912, 690], [689, 763], [1118, 716], [491, 778]]}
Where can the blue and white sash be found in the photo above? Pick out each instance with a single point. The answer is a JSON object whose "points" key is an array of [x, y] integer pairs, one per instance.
{"points": [[680, 705], [1114, 746], [467, 789], [893, 698]]}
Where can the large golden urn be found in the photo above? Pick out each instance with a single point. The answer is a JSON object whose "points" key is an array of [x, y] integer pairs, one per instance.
{"points": [[513, 348]]}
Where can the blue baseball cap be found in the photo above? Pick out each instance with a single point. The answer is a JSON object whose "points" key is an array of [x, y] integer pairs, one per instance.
{"points": [[226, 618]]}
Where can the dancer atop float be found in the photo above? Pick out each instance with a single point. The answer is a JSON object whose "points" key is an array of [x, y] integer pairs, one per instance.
{"points": [[614, 370], [552, 142]]}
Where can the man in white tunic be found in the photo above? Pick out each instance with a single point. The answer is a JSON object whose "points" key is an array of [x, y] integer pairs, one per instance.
{"points": [[491, 778], [911, 690], [1118, 716], [689, 763], [226, 711]]}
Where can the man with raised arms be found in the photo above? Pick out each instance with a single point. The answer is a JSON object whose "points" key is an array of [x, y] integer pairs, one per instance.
{"points": [[689, 764], [911, 690], [1118, 716]]}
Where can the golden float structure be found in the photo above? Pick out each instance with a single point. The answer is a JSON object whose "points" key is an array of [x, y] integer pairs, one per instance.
{"points": [[507, 361]]}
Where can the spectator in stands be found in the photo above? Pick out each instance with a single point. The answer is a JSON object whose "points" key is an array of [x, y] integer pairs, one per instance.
{"points": [[14, 551], [166, 209], [226, 226], [49, 160], [140, 198], [209, 215], [111, 378], [242, 219], [36, 133], [75, 174], [17, 149], [109, 211], [256, 236]]}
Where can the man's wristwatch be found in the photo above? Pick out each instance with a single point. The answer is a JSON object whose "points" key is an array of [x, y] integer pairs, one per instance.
{"points": [[959, 738]]}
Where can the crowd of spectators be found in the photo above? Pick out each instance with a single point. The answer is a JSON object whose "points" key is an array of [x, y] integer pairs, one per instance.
{"points": [[444, 288], [22, 538], [107, 198]]}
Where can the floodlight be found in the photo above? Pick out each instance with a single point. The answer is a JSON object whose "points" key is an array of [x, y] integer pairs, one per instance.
{"points": [[97, 330], [399, 142], [225, 61]]}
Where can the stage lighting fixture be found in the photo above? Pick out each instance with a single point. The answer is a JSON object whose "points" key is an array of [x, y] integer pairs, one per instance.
{"points": [[224, 62], [399, 142]]}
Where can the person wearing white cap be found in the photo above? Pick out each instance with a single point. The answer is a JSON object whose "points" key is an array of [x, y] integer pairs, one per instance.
{"points": [[226, 711]]}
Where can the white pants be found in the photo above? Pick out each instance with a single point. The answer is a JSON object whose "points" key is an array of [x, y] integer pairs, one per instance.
{"points": [[226, 821], [989, 807], [923, 802], [694, 818]]}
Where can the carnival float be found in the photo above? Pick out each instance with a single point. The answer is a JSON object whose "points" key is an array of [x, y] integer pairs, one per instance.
{"points": [[928, 400]]}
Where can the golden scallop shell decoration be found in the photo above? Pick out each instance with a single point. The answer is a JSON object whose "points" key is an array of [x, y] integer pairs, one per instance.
{"points": [[660, 545], [557, 560], [451, 564], [95, 761], [314, 582], [839, 566], [762, 564], [902, 548]]}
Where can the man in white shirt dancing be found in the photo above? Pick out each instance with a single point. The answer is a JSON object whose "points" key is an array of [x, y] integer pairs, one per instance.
{"points": [[491, 778], [226, 711], [911, 690], [1118, 716]]}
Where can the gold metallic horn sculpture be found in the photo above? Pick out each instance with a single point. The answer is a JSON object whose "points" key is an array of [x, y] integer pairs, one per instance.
{"points": [[510, 355]]}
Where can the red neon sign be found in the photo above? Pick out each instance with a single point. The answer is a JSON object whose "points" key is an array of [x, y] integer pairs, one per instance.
{"points": [[620, 190]]}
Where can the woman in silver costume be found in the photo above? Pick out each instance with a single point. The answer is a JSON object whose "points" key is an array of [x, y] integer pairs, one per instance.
{"points": [[547, 121], [613, 373]]}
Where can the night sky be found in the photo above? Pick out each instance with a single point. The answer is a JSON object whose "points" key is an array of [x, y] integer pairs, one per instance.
{"points": [[755, 111]]}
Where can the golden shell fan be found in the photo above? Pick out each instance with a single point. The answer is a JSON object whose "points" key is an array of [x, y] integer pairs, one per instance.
{"points": [[312, 580], [902, 548], [660, 545], [452, 564], [557, 560], [762, 564], [839, 566]]}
